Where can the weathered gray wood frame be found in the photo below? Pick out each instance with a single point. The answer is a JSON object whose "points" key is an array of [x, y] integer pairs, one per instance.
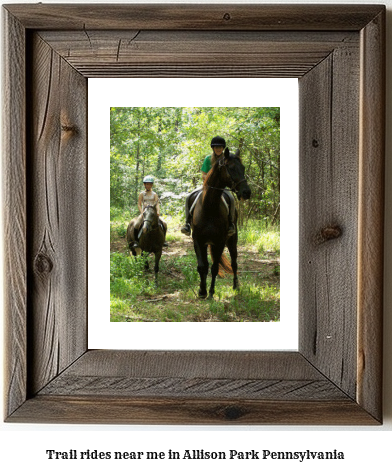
{"points": [[337, 52]]}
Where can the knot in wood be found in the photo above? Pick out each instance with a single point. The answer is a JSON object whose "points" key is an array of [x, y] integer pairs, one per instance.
{"points": [[328, 233], [43, 264], [69, 128], [232, 413], [315, 143], [227, 16]]}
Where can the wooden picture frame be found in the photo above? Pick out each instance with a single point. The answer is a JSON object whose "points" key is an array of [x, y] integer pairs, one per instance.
{"points": [[338, 54]]}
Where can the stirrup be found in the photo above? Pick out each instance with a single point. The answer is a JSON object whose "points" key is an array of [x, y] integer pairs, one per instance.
{"points": [[186, 229], [231, 231]]}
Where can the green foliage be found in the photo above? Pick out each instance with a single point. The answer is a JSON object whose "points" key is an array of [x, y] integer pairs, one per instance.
{"points": [[134, 296], [118, 223], [128, 279], [171, 143], [265, 238]]}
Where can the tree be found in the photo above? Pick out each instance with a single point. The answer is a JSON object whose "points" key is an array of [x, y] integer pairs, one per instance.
{"points": [[171, 142]]}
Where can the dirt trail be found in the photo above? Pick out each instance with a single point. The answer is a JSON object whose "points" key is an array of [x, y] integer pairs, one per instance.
{"points": [[176, 299], [249, 260]]}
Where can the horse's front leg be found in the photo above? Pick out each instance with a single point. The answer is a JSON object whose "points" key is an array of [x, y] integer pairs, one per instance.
{"points": [[156, 266], [232, 247], [217, 251], [202, 267]]}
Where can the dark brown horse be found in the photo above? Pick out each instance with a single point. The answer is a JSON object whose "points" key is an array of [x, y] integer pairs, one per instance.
{"points": [[151, 236], [210, 218]]}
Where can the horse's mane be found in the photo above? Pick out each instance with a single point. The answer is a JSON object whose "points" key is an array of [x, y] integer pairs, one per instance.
{"points": [[205, 185], [214, 163]]}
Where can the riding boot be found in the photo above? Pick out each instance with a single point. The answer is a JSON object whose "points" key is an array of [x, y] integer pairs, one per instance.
{"points": [[165, 244], [231, 231], [187, 228], [188, 210], [135, 243]]}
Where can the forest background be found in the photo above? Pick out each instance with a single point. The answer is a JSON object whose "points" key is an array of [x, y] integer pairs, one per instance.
{"points": [[170, 143]]}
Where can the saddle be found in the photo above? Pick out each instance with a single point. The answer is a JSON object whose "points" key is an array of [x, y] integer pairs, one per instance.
{"points": [[197, 197]]}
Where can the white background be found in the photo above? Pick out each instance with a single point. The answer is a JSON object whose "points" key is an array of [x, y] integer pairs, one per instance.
{"points": [[102, 333], [367, 449]]}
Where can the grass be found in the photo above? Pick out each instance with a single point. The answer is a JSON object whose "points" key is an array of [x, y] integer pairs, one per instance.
{"points": [[135, 297], [266, 239]]}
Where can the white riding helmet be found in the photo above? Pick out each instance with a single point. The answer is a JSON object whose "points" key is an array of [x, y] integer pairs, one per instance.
{"points": [[148, 179]]}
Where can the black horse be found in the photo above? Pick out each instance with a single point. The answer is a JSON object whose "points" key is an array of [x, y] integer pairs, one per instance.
{"points": [[210, 218], [151, 236]]}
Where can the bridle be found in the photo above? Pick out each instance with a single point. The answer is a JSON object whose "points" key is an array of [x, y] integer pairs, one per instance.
{"points": [[233, 186], [149, 221]]}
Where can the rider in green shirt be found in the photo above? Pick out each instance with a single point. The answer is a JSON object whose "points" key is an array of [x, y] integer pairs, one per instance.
{"points": [[218, 145]]}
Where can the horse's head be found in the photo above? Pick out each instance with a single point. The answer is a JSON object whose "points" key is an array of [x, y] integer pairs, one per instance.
{"points": [[150, 218], [235, 174]]}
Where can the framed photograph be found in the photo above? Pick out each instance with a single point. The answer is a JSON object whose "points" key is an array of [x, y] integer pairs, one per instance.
{"points": [[171, 150], [337, 53], [158, 154]]}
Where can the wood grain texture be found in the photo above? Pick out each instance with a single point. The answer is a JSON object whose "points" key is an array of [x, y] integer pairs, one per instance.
{"points": [[371, 216], [14, 209], [118, 410], [194, 53], [192, 387], [57, 196], [207, 364], [194, 17], [178, 374], [329, 169], [336, 376]]}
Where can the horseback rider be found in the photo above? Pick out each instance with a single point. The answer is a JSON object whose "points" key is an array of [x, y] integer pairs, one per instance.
{"points": [[148, 197], [218, 145]]}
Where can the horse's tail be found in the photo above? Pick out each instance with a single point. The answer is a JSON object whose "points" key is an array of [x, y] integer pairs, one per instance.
{"points": [[224, 265]]}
